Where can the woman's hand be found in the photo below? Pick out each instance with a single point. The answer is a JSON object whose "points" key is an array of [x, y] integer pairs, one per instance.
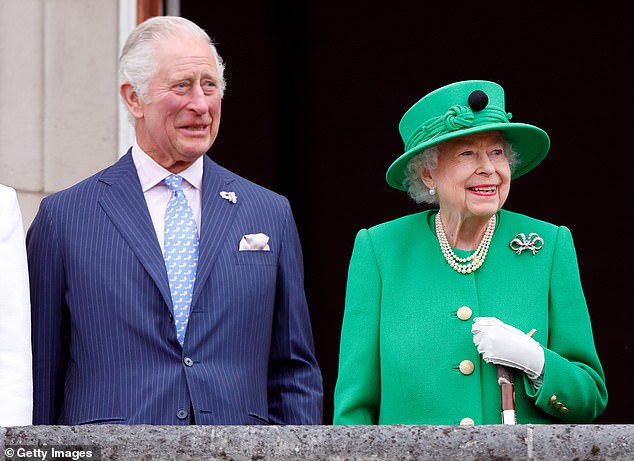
{"points": [[503, 344]]}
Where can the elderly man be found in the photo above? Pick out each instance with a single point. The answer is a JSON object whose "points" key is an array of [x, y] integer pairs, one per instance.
{"points": [[166, 289]]}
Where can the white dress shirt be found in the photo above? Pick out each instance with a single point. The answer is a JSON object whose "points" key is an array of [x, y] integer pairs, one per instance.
{"points": [[16, 379], [157, 194]]}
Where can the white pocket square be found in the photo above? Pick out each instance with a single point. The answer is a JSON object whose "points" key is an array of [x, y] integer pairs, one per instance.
{"points": [[251, 242]]}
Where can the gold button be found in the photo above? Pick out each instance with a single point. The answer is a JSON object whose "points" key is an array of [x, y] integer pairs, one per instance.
{"points": [[467, 422], [466, 367], [559, 405], [564, 409], [464, 313], [553, 399]]}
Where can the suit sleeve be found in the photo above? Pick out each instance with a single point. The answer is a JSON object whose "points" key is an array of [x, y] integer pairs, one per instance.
{"points": [[573, 388], [358, 388], [16, 388], [49, 317], [294, 384]]}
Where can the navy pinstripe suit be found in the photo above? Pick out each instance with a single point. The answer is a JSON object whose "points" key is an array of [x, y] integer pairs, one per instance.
{"points": [[104, 344]]}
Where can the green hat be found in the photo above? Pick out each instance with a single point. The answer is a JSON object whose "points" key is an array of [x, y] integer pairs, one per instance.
{"points": [[459, 109]]}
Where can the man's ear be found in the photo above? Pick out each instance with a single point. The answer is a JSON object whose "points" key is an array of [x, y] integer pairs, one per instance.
{"points": [[131, 99]]}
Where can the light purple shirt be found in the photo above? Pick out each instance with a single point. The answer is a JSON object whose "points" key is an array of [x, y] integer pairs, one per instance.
{"points": [[157, 194]]}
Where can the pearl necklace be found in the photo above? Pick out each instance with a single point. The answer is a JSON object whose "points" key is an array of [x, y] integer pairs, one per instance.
{"points": [[476, 259]]}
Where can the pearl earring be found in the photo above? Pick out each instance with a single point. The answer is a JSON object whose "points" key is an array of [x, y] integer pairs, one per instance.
{"points": [[432, 191]]}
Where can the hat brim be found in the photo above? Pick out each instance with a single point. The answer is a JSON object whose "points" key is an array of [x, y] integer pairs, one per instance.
{"points": [[530, 142]]}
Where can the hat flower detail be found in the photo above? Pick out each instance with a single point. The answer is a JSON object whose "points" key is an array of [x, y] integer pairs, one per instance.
{"points": [[230, 196], [458, 117], [520, 243]]}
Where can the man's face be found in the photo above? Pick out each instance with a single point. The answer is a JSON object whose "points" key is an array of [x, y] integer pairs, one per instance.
{"points": [[180, 121]]}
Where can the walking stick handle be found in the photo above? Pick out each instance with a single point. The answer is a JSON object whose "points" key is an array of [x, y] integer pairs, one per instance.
{"points": [[506, 381]]}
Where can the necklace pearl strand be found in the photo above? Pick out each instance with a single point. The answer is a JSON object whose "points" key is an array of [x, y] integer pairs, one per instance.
{"points": [[476, 259]]}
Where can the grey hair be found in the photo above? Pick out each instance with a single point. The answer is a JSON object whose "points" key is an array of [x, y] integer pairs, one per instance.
{"points": [[137, 63], [428, 159]]}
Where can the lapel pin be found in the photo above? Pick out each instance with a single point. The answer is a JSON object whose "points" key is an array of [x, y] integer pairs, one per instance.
{"points": [[231, 196]]}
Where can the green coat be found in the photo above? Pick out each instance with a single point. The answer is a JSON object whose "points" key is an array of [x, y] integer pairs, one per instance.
{"points": [[402, 340]]}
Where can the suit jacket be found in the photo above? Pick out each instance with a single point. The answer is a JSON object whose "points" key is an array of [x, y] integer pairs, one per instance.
{"points": [[16, 386], [104, 345], [405, 335]]}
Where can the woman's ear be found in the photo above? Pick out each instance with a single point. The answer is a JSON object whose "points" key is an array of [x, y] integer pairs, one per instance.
{"points": [[426, 177], [131, 99]]}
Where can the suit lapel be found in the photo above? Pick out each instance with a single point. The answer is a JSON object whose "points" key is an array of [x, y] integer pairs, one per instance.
{"points": [[217, 216], [125, 204]]}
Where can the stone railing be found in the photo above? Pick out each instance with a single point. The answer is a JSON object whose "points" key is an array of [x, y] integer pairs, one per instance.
{"points": [[336, 443]]}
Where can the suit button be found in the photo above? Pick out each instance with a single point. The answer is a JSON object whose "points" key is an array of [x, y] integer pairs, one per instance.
{"points": [[181, 414], [552, 400], [467, 422], [466, 367], [464, 313], [188, 362]]}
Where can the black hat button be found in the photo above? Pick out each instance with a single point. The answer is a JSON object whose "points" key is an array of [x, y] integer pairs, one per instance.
{"points": [[478, 100]]}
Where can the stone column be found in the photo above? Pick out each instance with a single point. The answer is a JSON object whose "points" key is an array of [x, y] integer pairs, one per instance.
{"points": [[58, 94]]}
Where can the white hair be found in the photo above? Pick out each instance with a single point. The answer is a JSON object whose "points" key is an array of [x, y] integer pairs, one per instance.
{"points": [[137, 63], [428, 159]]}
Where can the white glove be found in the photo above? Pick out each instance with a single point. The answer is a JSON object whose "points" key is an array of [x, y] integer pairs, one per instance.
{"points": [[503, 344]]}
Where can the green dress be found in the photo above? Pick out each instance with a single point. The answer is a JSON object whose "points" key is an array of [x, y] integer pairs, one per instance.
{"points": [[407, 328]]}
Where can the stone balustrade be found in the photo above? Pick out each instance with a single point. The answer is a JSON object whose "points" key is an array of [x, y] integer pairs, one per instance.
{"points": [[336, 443]]}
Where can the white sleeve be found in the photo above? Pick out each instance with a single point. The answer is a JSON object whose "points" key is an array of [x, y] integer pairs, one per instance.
{"points": [[16, 382]]}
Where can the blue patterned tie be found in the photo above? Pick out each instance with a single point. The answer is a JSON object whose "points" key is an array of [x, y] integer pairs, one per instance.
{"points": [[180, 253]]}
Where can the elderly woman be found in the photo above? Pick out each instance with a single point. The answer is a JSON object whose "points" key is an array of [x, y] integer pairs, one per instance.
{"points": [[16, 385], [437, 302]]}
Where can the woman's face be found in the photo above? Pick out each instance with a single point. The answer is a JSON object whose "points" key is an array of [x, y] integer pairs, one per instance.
{"points": [[473, 176]]}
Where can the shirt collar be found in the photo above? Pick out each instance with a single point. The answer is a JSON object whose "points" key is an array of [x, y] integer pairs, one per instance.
{"points": [[151, 173]]}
